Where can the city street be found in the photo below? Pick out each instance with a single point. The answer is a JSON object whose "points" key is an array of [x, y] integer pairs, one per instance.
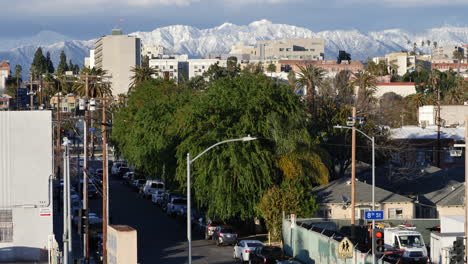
{"points": [[161, 238]]}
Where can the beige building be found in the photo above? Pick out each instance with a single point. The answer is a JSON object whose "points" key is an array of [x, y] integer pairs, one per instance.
{"points": [[445, 54], [121, 245], [68, 103], [404, 62], [117, 54], [335, 201], [197, 67], [401, 88], [451, 115], [448, 200], [4, 74], [285, 49]]}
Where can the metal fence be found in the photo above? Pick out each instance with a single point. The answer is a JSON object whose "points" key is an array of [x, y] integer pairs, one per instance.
{"points": [[312, 247]]}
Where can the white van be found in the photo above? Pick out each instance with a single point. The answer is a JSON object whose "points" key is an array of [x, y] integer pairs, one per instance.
{"points": [[152, 186], [410, 241]]}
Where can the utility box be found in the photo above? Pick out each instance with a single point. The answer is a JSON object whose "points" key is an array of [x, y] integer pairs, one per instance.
{"points": [[121, 245]]}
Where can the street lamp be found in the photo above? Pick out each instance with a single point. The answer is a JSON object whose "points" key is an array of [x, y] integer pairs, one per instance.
{"points": [[372, 139], [189, 162]]}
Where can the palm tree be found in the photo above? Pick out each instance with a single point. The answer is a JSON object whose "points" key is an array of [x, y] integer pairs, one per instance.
{"points": [[310, 77], [428, 43], [292, 80], [96, 87], [140, 75], [459, 56], [454, 96], [434, 78], [367, 84]]}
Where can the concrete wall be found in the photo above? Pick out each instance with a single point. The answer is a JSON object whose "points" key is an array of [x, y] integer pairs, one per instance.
{"points": [[122, 245], [450, 210], [25, 173], [402, 89], [450, 114]]}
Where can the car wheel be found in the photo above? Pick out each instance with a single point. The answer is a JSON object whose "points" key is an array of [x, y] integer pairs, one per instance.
{"points": [[207, 236], [234, 255]]}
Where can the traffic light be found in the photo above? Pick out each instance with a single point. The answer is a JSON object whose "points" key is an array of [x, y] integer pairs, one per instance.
{"points": [[458, 250], [62, 132], [82, 221], [379, 245]]}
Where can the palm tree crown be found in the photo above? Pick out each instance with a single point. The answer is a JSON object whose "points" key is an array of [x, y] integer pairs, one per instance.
{"points": [[310, 77]]}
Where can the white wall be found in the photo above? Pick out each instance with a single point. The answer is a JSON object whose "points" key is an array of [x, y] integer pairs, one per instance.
{"points": [[400, 89], [199, 66], [25, 171]]}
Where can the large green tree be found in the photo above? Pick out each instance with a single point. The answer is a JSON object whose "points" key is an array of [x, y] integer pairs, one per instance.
{"points": [[62, 66], [140, 75], [230, 180], [39, 64]]}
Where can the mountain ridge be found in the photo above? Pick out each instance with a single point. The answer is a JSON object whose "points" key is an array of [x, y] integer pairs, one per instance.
{"points": [[184, 39]]}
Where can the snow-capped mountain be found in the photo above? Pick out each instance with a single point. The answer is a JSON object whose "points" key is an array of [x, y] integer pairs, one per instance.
{"points": [[201, 42]]}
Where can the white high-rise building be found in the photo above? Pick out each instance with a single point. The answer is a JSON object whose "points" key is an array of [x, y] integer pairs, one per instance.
{"points": [[89, 61], [197, 67], [170, 67], [117, 54]]}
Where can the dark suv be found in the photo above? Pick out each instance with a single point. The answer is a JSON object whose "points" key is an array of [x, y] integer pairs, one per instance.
{"points": [[224, 235], [266, 254]]}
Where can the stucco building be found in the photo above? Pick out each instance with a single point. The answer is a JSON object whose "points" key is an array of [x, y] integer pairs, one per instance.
{"points": [[117, 54], [171, 67], [197, 67], [4, 74]]}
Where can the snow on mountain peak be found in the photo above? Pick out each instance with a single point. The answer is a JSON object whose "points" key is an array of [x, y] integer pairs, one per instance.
{"points": [[195, 42]]}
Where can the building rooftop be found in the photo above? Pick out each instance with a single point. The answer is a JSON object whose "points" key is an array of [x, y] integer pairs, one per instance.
{"points": [[339, 191], [430, 132]]}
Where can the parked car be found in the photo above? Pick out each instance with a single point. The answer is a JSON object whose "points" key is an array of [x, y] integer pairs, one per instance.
{"points": [[243, 248], [224, 235], [121, 172], [266, 254], [157, 197], [139, 184], [175, 205], [210, 228], [152, 186], [116, 166]]}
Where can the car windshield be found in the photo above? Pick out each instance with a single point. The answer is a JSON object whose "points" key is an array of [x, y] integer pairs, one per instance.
{"points": [[157, 185], [274, 251], [180, 201], [411, 241], [254, 245], [226, 230]]}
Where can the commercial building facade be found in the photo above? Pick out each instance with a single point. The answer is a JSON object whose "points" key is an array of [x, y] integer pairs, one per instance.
{"points": [[445, 54], [117, 54], [286, 49], [197, 67], [170, 67]]}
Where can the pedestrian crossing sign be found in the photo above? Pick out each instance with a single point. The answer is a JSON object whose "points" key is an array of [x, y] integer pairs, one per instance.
{"points": [[345, 249]]}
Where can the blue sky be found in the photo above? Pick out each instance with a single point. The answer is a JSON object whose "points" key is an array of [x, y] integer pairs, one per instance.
{"points": [[85, 19]]}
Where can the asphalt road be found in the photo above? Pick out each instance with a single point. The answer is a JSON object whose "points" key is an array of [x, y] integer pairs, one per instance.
{"points": [[161, 238]]}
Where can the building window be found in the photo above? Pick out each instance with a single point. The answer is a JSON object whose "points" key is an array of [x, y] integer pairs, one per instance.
{"points": [[6, 225], [395, 213], [281, 49], [324, 212], [360, 213], [171, 67]]}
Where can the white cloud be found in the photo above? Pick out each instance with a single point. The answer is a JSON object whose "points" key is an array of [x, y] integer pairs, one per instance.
{"points": [[253, 2]]}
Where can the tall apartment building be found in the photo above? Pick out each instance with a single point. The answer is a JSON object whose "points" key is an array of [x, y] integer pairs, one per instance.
{"points": [[153, 51], [285, 49], [89, 61], [171, 67], [117, 54], [4, 74]]}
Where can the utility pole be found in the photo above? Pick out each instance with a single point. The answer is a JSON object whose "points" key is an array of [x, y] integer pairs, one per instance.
{"points": [[105, 191], [67, 236], [31, 94], [58, 127], [353, 174], [466, 189], [434, 82], [85, 173]]}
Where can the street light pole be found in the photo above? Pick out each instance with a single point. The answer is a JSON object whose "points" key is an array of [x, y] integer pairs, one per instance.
{"points": [[372, 139], [189, 211]]}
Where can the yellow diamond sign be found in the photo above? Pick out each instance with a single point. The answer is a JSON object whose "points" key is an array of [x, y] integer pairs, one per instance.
{"points": [[345, 249]]}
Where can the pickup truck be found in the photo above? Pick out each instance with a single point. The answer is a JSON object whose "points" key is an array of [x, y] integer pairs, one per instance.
{"points": [[176, 205]]}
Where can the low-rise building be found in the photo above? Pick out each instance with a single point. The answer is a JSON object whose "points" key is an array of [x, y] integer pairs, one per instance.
{"points": [[170, 67], [443, 67], [153, 51], [334, 201], [5, 102], [404, 62], [417, 147], [68, 103], [332, 67], [286, 49], [444, 54], [4, 74], [401, 88], [197, 67], [450, 115]]}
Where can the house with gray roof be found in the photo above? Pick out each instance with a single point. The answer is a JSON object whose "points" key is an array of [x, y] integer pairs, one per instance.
{"points": [[448, 200], [334, 201]]}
